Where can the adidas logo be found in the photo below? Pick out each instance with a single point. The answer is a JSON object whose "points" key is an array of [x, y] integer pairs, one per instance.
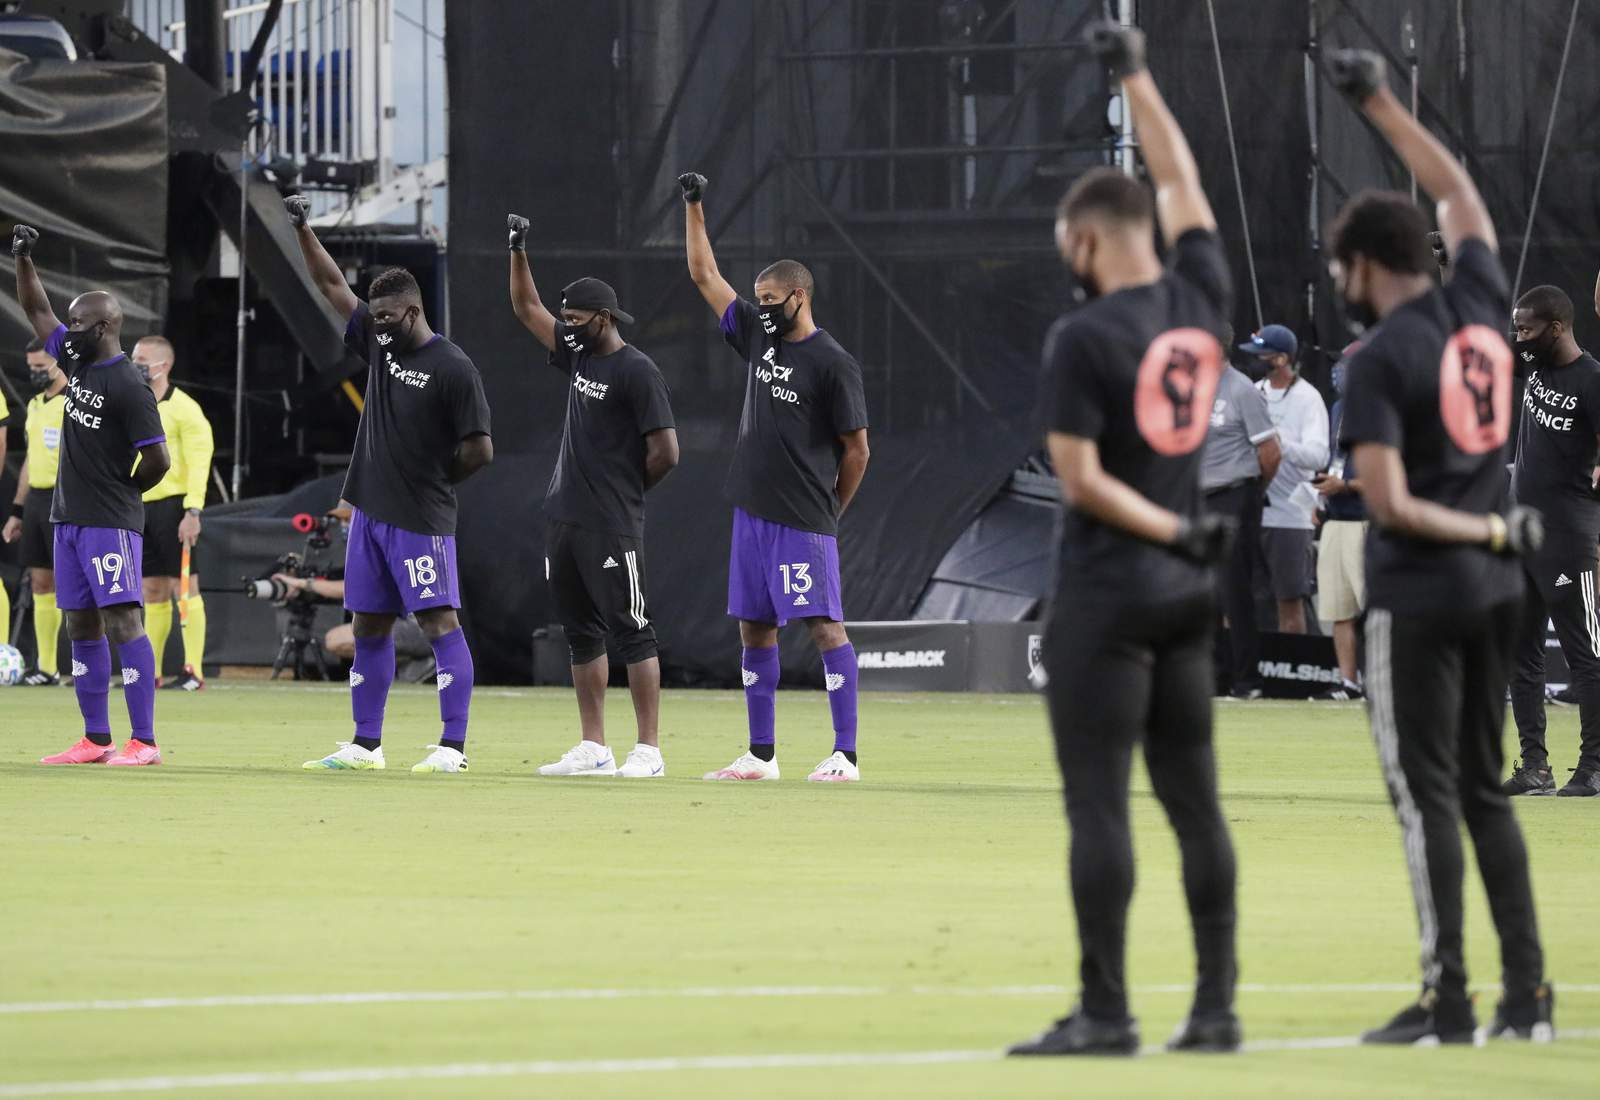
{"points": [[79, 669], [1563, 579], [801, 601], [356, 679], [116, 590], [749, 677], [610, 563], [425, 594], [834, 680], [130, 676], [445, 680]]}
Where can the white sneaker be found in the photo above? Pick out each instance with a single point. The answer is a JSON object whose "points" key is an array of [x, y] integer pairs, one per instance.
{"points": [[836, 769], [348, 757], [748, 766], [443, 759], [644, 762], [584, 758]]}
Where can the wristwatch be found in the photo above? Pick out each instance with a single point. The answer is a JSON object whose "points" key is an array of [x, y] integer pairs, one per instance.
{"points": [[191, 511]]}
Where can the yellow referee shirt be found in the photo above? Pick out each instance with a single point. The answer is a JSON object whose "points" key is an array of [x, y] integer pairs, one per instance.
{"points": [[44, 439], [189, 444]]}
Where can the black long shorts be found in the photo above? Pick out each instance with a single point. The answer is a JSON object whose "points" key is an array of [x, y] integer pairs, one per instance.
{"points": [[163, 553], [38, 537], [598, 587]]}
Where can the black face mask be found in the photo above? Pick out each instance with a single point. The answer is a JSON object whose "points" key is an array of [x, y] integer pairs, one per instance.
{"points": [[578, 337], [1358, 316], [1082, 288], [389, 334], [79, 344], [774, 320], [1535, 353], [39, 378], [144, 372]]}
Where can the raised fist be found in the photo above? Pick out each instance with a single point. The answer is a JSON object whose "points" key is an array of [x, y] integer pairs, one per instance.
{"points": [[1119, 48], [22, 240], [1441, 254], [693, 184], [299, 207], [516, 232], [1357, 73]]}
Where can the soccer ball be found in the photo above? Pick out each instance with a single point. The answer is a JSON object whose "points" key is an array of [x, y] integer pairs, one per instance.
{"points": [[12, 666]]}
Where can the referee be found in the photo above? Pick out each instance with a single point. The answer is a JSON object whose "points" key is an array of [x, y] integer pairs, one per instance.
{"points": [[1427, 415], [172, 515], [30, 510]]}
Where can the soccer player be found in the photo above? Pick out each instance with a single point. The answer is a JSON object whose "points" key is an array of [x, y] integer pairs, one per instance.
{"points": [[30, 509], [425, 429], [1555, 472], [619, 442], [1128, 383], [799, 459], [110, 427], [172, 514], [1427, 414]]}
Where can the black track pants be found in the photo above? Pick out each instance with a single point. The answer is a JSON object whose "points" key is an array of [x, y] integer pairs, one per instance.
{"points": [[1561, 589]]}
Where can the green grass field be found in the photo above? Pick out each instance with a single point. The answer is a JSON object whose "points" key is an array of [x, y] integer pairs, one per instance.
{"points": [[679, 938]]}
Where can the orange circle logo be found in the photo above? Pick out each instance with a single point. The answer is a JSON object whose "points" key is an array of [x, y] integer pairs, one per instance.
{"points": [[1175, 389], [1475, 389]]}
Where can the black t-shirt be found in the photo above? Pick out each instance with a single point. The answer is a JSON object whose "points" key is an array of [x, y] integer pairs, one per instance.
{"points": [[1434, 382], [110, 414], [1137, 372], [801, 396], [419, 407], [614, 402], [1556, 449]]}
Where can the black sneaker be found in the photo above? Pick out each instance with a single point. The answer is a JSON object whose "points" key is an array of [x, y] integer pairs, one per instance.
{"points": [[1080, 1034], [1529, 779], [1343, 693], [1429, 1022], [37, 677], [1214, 1033], [1585, 783], [1533, 1021], [187, 682]]}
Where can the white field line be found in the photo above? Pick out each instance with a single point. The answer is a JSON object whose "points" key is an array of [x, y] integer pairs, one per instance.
{"points": [[276, 1000], [460, 1070]]}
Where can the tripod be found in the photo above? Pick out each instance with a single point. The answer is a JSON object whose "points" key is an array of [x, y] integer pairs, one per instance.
{"points": [[301, 649]]}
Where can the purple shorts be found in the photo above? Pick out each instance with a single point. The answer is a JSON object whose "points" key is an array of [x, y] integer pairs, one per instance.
{"points": [[778, 573], [391, 571], [98, 567]]}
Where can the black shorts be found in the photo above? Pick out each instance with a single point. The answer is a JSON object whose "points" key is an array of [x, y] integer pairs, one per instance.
{"points": [[597, 585], [38, 537], [163, 553]]}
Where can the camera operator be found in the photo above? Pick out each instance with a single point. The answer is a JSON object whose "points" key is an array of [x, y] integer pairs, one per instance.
{"points": [[410, 644]]}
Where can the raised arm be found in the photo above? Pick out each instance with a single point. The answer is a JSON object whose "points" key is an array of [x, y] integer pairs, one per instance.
{"points": [[1361, 75], [717, 292], [30, 291], [1181, 203], [852, 465], [324, 271], [525, 300]]}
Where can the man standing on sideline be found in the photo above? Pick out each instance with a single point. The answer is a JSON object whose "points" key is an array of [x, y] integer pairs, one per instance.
{"points": [[800, 456], [30, 510], [1240, 457], [618, 442], [1302, 422], [1341, 558], [1555, 472], [111, 427], [425, 429], [1127, 384], [1427, 415], [172, 514]]}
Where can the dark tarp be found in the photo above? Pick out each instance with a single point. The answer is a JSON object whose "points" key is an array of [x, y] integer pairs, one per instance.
{"points": [[84, 161]]}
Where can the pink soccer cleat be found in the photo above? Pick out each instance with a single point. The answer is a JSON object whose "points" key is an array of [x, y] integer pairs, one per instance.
{"points": [[136, 753], [84, 752], [748, 767]]}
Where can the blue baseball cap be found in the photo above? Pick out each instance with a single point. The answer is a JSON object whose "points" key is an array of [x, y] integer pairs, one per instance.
{"points": [[1272, 340]]}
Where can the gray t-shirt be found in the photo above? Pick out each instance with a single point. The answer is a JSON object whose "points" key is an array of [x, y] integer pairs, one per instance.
{"points": [[1240, 423]]}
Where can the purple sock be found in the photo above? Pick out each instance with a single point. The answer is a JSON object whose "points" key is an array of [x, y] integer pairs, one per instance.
{"points": [[138, 659], [91, 679], [454, 659], [839, 669], [371, 674], [760, 669]]}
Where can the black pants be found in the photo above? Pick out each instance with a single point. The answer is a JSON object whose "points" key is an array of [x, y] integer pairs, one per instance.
{"points": [[1561, 588], [597, 584], [1242, 662], [1120, 675], [1436, 689]]}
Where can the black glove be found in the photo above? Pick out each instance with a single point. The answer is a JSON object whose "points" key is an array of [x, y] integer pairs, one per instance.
{"points": [[1357, 73], [1518, 533], [1441, 254], [694, 186], [1119, 48], [22, 240], [517, 233], [299, 207], [1206, 538]]}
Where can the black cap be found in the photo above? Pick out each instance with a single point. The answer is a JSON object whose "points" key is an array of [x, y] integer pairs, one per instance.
{"points": [[593, 294]]}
